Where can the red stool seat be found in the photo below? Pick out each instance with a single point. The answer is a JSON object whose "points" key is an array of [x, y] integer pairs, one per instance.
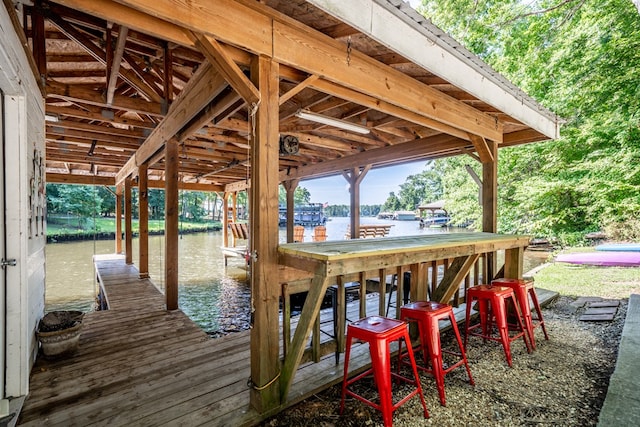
{"points": [[492, 304], [379, 332], [524, 289], [427, 314]]}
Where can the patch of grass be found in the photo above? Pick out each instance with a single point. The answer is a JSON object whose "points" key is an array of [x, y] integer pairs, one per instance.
{"points": [[583, 280]]}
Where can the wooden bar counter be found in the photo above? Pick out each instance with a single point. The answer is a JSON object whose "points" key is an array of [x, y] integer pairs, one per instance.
{"points": [[332, 261]]}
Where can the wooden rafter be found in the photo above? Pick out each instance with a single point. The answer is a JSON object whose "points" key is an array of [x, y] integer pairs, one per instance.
{"points": [[204, 86], [115, 66], [283, 38], [99, 55], [482, 148], [217, 56]]}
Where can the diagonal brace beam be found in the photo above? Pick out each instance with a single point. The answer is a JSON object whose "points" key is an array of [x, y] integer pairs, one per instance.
{"points": [[456, 272], [225, 65]]}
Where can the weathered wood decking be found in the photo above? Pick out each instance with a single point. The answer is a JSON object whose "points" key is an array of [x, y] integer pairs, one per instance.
{"points": [[139, 364]]}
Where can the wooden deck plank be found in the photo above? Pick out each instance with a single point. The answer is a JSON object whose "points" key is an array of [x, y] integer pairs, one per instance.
{"points": [[143, 365]]}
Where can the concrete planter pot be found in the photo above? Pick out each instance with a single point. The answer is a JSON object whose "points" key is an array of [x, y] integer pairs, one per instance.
{"points": [[59, 333]]}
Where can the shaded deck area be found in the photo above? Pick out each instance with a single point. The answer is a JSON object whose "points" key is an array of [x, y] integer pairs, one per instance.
{"points": [[139, 364]]}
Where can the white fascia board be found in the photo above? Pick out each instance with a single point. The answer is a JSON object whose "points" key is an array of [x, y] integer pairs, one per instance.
{"points": [[427, 46]]}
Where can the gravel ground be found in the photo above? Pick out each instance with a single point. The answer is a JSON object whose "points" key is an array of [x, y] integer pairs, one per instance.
{"points": [[562, 383]]}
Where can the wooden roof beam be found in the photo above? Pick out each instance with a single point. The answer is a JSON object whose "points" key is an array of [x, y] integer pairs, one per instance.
{"points": [[371, 102], [88, 96], [203, 87], [59, 178], [298, 88], [92, 113], [289, 42], [413, 150], [116, 62], [100, 56], [218, 57], [483, 150]]}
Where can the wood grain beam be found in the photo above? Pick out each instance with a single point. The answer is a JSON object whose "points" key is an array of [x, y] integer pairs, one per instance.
{"points": [[413, 150], [203, 87], [483, 150], [298, 88], [75, 94], [89, 113], [456, 272], [268, 33], [116, 63], [218, 57], [100, 56]]}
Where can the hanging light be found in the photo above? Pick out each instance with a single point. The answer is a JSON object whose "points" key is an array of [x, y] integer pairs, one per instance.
{"points": [[331, 121]]}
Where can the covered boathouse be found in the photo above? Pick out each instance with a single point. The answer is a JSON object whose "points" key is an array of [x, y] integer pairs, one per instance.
{"points": [[228, 96]]}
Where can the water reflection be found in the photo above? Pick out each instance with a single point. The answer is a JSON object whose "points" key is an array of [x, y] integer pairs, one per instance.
{"points": [[215, 297]]}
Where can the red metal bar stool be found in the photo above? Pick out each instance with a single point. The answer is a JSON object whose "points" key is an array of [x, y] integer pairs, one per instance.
{"points": [[523, 290], [379, 332], [492, 304], [427, 314]]}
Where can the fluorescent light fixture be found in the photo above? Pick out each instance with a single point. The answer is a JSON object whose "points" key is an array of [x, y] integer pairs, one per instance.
{"points": [[51, 118], [330, 121]]}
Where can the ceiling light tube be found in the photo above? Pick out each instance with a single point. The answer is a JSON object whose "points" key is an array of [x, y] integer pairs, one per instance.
{"points": [[330, 121], [51, 118]]}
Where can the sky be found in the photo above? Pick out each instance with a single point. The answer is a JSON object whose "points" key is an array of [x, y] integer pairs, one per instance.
{"points": [[375, 186], [374, 189]]}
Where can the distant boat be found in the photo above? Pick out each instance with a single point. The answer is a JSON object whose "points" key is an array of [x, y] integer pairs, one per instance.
{"points": [[404, 216], [435, 221], [306, 215]]}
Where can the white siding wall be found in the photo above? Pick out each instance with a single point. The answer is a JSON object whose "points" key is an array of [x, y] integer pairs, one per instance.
{"points": [[24, 153]]}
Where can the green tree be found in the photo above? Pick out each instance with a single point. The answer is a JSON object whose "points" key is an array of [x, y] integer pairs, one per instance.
{"points": [[423, 187], [392, 203], [81, 201], [156, 203], [579, 58]]}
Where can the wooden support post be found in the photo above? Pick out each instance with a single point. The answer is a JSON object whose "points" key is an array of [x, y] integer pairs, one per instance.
{"points": [[171, 223], [225, 219], [490, 203], [167, 78], [290, 188], [39, 42], [513, 263], [119, 219], [382, 276], [128, 230], [143, 221], [355, 177], [265, 292]]}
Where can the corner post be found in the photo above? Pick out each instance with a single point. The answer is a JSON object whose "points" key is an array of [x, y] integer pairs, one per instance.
{"points": [[119, 219], [265, 290], [490, 203], [143, 221], [171, 223], [128, 230]]}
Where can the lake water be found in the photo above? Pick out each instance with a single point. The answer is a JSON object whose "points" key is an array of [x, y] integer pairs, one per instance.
{"points": [[215, 297]]}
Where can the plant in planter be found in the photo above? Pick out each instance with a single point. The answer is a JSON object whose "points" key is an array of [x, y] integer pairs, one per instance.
{"points": [[59, 333]]}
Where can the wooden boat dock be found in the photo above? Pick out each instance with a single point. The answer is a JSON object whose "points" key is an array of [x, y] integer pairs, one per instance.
{"points": [[139, 364]]}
